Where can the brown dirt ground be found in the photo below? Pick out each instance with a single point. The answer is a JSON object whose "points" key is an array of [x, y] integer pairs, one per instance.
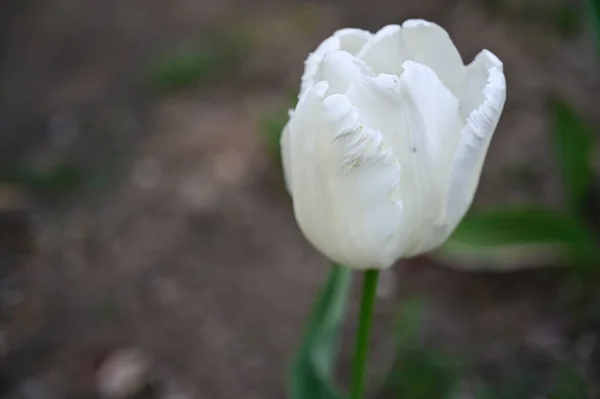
{"points": [[192, 253]]}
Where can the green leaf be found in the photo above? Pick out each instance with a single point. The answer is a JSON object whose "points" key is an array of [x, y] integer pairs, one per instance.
{"points": [[312, 370], [57, 180], [573, 142], [522, 230], [216, 59], [569, 385], [593, 12], [184, 69]]}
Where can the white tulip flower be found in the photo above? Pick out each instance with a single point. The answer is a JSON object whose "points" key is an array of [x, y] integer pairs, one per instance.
{"points": [[383, 153]]}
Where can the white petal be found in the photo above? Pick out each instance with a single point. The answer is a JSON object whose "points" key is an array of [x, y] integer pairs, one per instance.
{"points": [[416, 40], [418, 117], [339, 69], [284, 142], [438, 109], [429, 44], [385, 51], [476, 79], [350, 40], [476, 135], [383, 105], [345, 183]]}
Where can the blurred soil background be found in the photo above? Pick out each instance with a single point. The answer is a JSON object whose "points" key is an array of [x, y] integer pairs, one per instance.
{"points": [[147, 244]]}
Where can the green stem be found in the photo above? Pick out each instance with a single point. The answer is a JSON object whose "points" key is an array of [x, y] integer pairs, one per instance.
{"points": [[365, 317]]}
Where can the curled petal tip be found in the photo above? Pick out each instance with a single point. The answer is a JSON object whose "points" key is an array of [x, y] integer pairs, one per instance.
{"points": [[414, 22]]}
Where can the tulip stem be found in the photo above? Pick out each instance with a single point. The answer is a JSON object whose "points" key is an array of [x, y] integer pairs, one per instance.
{"points": [[361, 352]]}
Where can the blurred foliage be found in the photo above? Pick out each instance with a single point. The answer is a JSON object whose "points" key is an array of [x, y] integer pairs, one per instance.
{"points": [[425, 372], [567, 20], [592, 8], [573, 142], [562, 16], [569, 385], [220, 57], [185, 69], [483, 234], [420, 372], [54, 181], [272, 126], [311, 375], [61, 180], [518, 387]]}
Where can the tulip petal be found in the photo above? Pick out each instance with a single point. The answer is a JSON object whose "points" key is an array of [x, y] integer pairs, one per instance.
{"points": [[438, 108], [429, 44], [350, 40], [385, 51], [345, 182], [418, 117], [339, 69], [383, 104], [477, 72], [486, 71], [284, 142]]}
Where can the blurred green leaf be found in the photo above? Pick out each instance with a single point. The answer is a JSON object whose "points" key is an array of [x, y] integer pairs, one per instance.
{"points": [[519, 226], [593, 13], [272, 124], [567, 19], [184, 69], [493, 230], [408, 322], [57, 180], [218, 58], [272, 127], [424, 374], [420, 372], [516, 388], [573, 143], [312, 370], [569, 385]]}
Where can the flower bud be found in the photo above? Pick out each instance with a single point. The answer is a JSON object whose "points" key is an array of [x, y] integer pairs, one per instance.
{"points": [[383, 153]]}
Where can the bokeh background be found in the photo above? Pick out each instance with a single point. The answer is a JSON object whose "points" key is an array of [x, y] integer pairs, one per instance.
{"points": [[144, 224]]}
